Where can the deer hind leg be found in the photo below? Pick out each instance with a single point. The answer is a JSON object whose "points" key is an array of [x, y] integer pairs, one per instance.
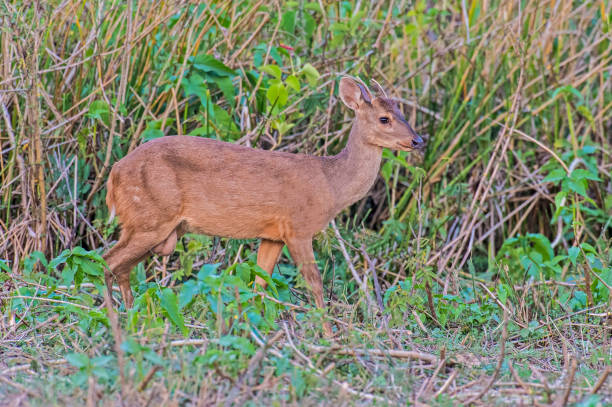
{"points": [[131, 249], [267, 256], [301, 251]]}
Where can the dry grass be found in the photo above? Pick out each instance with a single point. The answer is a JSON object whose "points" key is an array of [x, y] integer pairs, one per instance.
{"points": [[506, 93]]}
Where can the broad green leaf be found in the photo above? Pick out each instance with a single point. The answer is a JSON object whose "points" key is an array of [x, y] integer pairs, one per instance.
{"points": [[98, 109], [91, 268], [130, 346], [225, 123], [309, 25], [189, 290], [573, 253], [588, 248], [266, 277], [272, 70], [208, 270], [194, 85], [101, 372], [541, 244], [579, 186], [288, 22], [555, 175], [311, 73], [79, 360], [227, 88], [68, 274], [277, 94], [237, 342], [150, 134], [293, 82], [169, 303], [580, 173], [208, 63], [32, 259], [339, 27]]}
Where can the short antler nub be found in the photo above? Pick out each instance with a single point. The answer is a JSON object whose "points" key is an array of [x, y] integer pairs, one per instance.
{"points": [[379, 89]]}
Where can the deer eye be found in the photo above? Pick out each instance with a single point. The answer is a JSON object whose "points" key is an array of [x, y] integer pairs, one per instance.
{"points": [[384, 120]]}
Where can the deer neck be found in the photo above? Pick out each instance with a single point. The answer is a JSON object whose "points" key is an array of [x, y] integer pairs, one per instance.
{"points": [[353, 171]]}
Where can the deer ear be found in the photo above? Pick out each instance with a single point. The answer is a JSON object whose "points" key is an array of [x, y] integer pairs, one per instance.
{"points": [[353, 93]]}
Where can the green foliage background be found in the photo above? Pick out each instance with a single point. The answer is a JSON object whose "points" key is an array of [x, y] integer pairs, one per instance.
{"points": [[501, 225]]}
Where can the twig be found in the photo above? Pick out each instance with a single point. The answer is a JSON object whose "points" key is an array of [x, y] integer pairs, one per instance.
{"points": [[500, 361], [46, 300], [395, 353], [360, 282], [601, 380], [19, 387], [143, 384], [320, 373], [372, 269], [112, 317], [560, 402], [446, 383], [248, 373]]}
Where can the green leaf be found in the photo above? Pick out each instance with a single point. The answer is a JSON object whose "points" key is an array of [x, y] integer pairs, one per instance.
{"points": [[502, 292], [311, 73], [277, 94], [237, 342], [79, 360], [573, 253], [101, 372], [567, 90], [580, 174], [227, 88], [542, 245], [169, 303], [68, 274], [293, 83], [266, 277], [98, 109], [288, 22], [272, 70], [208, 270], [579, 186], [32, 259], [91, 268], [339, 27], [208, 63], [150, 134], [555, 175], [588, 248], [189, 290], [194, 85], [309, 25], [131, 347], [225, 123]]}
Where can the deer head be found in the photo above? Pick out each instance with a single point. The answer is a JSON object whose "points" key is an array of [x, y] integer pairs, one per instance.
{"points": [[379, 118]]}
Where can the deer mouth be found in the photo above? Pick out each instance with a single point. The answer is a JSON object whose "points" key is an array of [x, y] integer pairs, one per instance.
{"points": [[405, 147]]}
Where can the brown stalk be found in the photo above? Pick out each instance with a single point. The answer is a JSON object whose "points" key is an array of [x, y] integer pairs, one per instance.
{"points": [[500, 361]]}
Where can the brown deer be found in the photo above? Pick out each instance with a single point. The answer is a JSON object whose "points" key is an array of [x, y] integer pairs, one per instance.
{"points": [[173, 185]]}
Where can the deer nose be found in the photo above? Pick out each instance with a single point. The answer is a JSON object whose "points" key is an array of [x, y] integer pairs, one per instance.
{"points": [[417, 141]]}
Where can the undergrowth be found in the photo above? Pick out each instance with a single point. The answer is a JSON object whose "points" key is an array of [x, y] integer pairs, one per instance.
{"points": [[483, 264]]}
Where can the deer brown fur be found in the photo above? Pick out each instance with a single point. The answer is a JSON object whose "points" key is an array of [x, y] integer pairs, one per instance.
{"points": [[174, 185]]}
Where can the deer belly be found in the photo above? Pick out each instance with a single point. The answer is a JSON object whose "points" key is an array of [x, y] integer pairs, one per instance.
{"points": [[238, 222]]}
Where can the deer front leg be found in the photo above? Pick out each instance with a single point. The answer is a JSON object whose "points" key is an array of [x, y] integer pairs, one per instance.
{"points": [[301, 251], [267, 256]]}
